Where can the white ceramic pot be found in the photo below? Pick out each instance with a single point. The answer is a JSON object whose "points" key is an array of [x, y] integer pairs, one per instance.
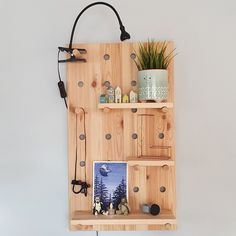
{"points": [[153, 85]]}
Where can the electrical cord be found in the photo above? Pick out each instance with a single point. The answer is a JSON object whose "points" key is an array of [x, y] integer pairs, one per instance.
{"points": [[74, 182], [60, 84], [122, 28]]}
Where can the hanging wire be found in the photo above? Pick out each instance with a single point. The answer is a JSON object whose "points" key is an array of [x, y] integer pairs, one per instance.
{"points": [[59, 75], [76, 150]]}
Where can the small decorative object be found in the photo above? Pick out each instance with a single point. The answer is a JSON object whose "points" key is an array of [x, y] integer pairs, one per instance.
{"points": [[110, 183], [152, 62], [123, 207], [111, 210], [103, 98], [98, 207], [118, 95], [125, 98], [133, 97], [152, 209], [110, 95]]}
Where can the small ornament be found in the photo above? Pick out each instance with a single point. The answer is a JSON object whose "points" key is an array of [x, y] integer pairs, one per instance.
{"points": [[110, 95], [133, 97], [123, 207], [103, 98], [111, 210], [118, 95], [152, 209], [125, 98], [98, 207]]}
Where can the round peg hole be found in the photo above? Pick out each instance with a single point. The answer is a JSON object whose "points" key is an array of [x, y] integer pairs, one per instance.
{"points": [[133, 55], [82, 137], [164, 117], [133, 83], [106, 57], [82, 163], [80, 84], [134, 110], [136, 189], [134, 136], [162, 189], [107, 84], [161, 135], [108, 136]]}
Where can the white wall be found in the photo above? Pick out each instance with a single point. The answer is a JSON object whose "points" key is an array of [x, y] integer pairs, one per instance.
{"points": [[33, 130]]}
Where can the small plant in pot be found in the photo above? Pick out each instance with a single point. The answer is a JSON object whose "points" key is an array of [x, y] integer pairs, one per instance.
{"points": [[152, 62]]}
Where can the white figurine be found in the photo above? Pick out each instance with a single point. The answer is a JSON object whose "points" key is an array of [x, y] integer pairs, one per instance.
{"points": [[118, 95], [133, 97], [97, 207], [111, 210]]}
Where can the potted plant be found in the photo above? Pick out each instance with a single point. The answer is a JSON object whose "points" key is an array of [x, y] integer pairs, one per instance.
{"points": [[152, 62]]}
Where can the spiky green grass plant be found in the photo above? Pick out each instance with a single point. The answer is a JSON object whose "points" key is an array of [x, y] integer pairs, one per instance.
{"points": [[153, 55]]}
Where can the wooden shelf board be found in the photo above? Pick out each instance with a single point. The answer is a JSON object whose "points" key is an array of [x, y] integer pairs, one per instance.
{"points": [[134, 105], [150, 161], [87, 218]]}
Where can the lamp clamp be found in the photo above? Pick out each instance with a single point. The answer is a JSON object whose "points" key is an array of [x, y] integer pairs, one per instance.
{"points": [[75, 54]]}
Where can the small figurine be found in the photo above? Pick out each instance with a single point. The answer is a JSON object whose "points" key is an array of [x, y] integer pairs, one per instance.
{"points": [[110, 95], [118, 95], [98, 207], [133, 97], [125, 98], [123, 207], [103, 98], [111, 210]]}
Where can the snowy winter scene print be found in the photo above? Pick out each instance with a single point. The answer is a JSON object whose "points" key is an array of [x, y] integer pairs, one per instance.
{"points": [[110, 182]]}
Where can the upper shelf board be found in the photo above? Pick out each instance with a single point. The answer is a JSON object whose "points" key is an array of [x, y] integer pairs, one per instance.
{"points": [[157, 105]]}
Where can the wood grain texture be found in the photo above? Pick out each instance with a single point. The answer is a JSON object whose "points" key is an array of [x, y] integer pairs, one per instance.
{"points": [[148, 123]]}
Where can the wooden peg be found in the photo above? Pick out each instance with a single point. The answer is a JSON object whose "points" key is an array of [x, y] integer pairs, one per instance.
{"points": [[79, 110], [76, 53], [165, 167], [168, 226], [106, 109], [164, 109]]}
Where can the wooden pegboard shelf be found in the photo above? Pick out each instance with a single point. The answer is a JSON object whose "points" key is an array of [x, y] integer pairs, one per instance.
{"points": [[154, 105], [144, 139], [86, 218]]}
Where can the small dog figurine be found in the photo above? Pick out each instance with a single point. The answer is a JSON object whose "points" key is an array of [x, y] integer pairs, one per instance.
{"points": [[123, 207], [98, 207]]}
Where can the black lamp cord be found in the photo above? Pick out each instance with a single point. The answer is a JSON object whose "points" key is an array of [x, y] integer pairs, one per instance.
{"points": [[61, 83], [84, 185], [90, 5]]}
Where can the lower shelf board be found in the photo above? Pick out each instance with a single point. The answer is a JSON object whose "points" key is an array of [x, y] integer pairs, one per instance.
{"points": [[86, 218]]}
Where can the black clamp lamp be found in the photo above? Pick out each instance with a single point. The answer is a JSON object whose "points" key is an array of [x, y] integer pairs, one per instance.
{"points": [[75, 54]]}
